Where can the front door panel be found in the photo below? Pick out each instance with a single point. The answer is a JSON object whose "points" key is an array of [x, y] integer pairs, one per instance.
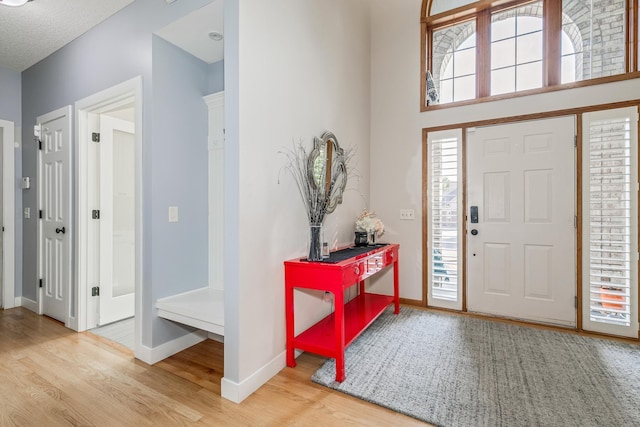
{"points": [[521, 252]]}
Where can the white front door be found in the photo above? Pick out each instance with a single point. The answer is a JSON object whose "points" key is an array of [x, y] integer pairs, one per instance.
{"points": [[521, 244], [117, 219], [54, 198]]}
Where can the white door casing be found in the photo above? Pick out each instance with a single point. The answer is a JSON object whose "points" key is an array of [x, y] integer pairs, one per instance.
{"points": [[8, 214], [117, 219], [521, 263], [128, 92], [54, 200]]}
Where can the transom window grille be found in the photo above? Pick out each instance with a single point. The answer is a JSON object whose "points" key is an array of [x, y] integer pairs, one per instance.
{"points": [[594, 41], [444, 195], [516, 49], [480, 49], [456, 66]]}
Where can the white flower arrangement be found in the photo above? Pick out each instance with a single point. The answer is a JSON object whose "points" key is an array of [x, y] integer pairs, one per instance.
{"points": [[369, 223]]}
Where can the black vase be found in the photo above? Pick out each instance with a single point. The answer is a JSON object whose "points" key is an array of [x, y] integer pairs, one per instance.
{"points": [[361, 238]]}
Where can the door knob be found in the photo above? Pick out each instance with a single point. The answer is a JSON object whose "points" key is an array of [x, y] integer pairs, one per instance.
{"points": [[60, 230], [474, 232]]}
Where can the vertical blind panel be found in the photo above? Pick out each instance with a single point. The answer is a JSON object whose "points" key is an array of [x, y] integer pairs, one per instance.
{"points": [[444, 218], [610, 210]]}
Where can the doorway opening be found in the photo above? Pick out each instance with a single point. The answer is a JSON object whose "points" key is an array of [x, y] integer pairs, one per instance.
{"points": [[109, 210]]}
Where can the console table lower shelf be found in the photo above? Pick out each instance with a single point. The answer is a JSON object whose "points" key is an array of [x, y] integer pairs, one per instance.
{"points": [[359, 313]]}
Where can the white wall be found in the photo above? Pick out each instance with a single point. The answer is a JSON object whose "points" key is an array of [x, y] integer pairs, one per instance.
{"points": [[396, 126], [396, 153], [303, 69]]}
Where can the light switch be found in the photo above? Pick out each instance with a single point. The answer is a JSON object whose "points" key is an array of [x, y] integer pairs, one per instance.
{"points": [[26, 182], [173, 214]]}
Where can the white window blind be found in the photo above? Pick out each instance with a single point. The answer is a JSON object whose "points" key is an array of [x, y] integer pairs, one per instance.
{"points": [[610, 210], [444, 195]]}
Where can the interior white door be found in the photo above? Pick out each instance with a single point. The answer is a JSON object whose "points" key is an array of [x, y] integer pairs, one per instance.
{"points": [[55, 239], [117, 219], [521, 246]]}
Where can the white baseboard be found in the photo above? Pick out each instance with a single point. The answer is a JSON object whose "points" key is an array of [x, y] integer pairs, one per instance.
{"points": [[27, 303], [154, 355], [237, 392], [216, 337]]}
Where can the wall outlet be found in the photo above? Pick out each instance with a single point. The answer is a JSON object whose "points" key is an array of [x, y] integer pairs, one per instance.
{"points": [[173, 214], [27, 213], [407, 214]]}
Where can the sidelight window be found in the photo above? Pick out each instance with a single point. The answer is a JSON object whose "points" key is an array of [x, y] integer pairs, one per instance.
{"points": [[445, 207], [610, 210]]}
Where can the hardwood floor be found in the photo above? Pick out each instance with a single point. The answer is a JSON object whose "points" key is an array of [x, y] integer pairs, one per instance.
{"points": [[52, 376]]}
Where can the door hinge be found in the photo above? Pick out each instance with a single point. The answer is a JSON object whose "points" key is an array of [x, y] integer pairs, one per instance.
{"points": [[95, 136], [37, 131], [40, 214], [95, 214], [575, 301], [575, 221], [575, 141], [40, 283], [95, 291]]}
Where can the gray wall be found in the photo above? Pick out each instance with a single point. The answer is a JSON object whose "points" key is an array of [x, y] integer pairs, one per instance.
{"points": [[179, 174], [216, 77], [10, 96], [115, 51]]}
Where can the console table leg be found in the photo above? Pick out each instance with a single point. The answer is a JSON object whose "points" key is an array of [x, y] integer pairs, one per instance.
{"points": [[291, 360], [396, 287], [339, 328]]}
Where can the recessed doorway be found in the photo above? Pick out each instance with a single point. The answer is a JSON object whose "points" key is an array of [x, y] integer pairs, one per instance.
{"points": [[109, 208]]}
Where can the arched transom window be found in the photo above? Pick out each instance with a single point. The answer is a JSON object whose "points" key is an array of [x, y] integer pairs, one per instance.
{"points": [[489, 48]]}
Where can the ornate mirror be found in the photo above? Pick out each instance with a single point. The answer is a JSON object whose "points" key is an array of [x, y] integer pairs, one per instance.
{"points": [[327, 170]]}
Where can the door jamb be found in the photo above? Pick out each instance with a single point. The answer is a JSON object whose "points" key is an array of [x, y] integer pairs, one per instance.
{"points": [[8, 214], [96, 103]]}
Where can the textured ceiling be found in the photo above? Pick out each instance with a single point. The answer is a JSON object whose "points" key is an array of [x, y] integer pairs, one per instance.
{"points": [[34, 31]]}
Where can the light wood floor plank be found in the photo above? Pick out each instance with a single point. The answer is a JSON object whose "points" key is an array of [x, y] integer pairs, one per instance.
{"points": [[52, 376]]}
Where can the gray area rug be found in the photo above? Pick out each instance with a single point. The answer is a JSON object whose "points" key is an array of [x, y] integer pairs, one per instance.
{"points": [[460, 371]]}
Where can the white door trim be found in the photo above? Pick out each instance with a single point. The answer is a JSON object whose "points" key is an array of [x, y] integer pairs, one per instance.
{"points": [[8, 213], [97, 103], [60, 112]]}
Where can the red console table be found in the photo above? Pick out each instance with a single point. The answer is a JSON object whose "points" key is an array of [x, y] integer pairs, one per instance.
{"points": [[331, 335]]}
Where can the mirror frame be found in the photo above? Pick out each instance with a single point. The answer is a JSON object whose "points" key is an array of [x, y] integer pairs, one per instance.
{"points": [[330, 179]]}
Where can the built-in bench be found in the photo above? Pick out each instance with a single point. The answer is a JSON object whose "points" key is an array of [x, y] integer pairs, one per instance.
{"points": [[201, 308]]}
